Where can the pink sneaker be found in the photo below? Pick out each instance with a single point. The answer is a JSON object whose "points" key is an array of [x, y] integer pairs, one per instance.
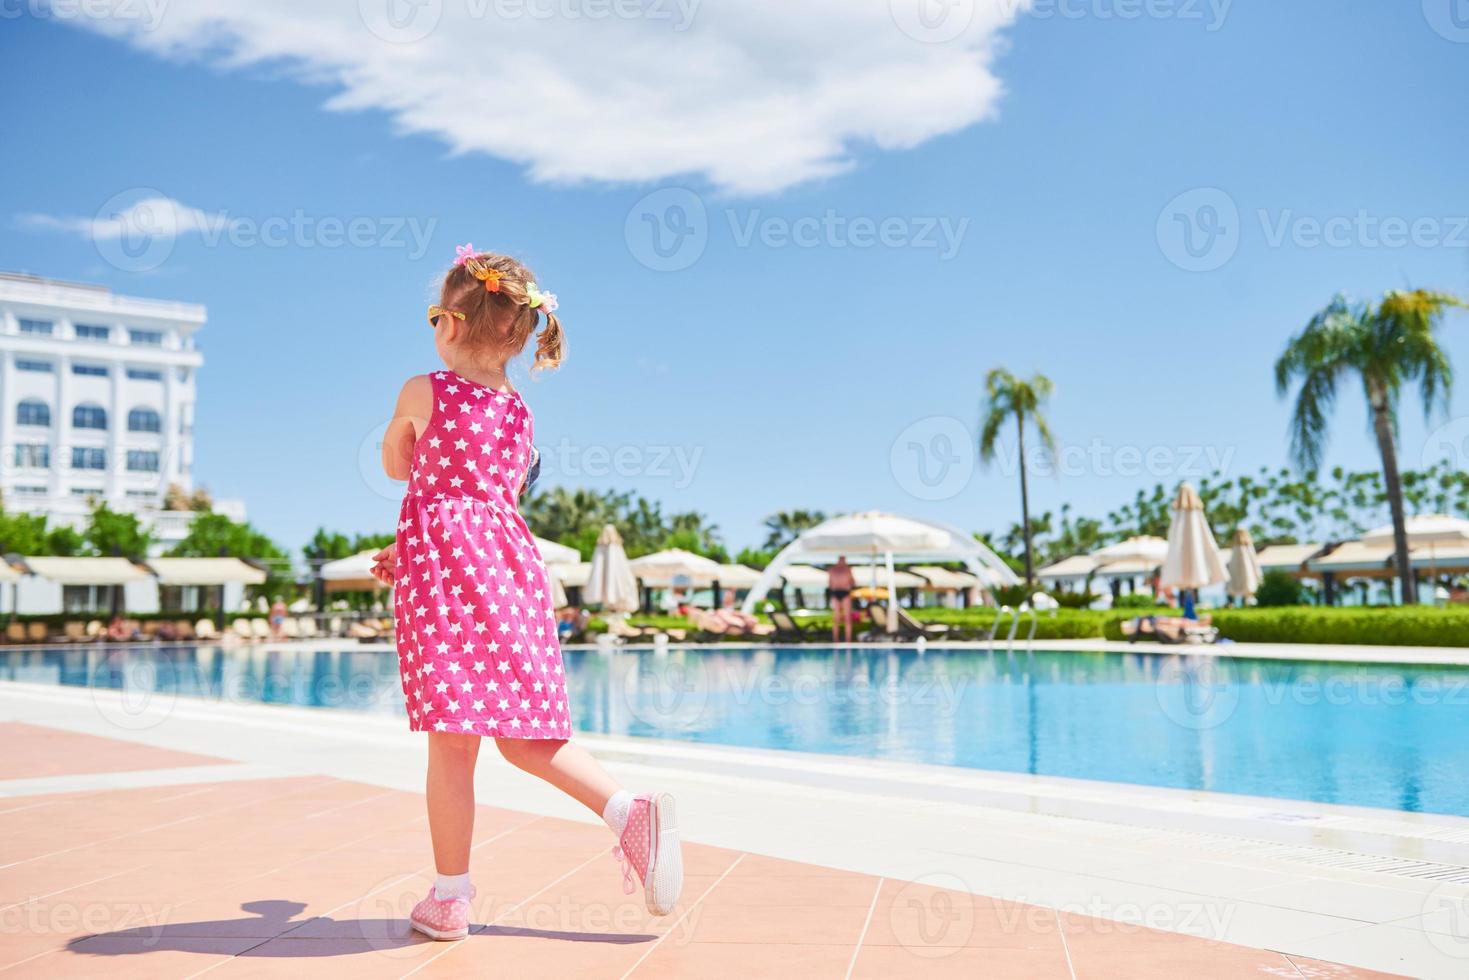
{"points": [[649, 846], [442, 918]]}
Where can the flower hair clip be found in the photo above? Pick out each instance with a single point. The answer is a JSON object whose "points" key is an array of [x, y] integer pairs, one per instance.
{"points": [[534, 298], [466, 256]]}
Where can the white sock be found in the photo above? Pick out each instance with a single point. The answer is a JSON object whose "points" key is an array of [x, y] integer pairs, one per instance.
{"points": [[616, 811], [452, 886]]}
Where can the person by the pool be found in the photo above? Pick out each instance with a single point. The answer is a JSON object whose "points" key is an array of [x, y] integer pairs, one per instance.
{"points": [[839, 585]]}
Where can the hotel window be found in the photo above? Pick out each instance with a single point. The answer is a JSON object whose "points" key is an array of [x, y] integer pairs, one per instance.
{"points": [[145, 338], [144, 420], [89, 417], [87, 331], [91, 598], [144, 374], [86, 458], [45, 367], [42, 328], [33, 412], [35, 455], [29, 490], [90, 370], [88, 493], [143, 460]]}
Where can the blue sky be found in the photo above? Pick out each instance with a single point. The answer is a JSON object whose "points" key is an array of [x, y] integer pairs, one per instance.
{"points": [[780, 364]]}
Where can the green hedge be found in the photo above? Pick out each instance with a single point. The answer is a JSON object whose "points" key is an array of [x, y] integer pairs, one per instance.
{"points": [[1384, 626]]}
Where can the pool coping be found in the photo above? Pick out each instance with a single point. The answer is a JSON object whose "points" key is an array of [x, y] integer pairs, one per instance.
{"points": [[1401, 656], [1242, 870]]}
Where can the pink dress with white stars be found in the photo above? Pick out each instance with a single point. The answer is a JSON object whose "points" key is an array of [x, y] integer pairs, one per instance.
{"points": [[477, 643]]}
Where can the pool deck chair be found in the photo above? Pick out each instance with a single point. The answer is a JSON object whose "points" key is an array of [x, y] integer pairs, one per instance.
{"points": [[788, 630], [908, 627]]}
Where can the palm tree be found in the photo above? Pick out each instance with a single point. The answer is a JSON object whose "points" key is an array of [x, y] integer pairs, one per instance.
{"points": [[1385, 346], [783, 527], [1007, 397]]}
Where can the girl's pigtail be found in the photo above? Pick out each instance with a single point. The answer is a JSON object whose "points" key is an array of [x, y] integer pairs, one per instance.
{"points": [[550, 345]]}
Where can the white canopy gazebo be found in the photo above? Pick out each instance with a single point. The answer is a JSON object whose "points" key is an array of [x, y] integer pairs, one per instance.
{"points": [[888, 538]]}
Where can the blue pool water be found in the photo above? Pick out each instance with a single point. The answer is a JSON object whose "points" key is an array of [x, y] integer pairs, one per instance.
{"points": [[1395, 737]]}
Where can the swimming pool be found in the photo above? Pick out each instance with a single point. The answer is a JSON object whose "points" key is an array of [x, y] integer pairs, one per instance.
{"points": [[1395, 737]]}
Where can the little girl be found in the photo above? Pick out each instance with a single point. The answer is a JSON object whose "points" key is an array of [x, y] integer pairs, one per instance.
{"points": [[477, 644]]}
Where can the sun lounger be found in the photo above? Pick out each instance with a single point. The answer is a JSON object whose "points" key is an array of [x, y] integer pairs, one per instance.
{"points": [[1170, 629], [36, 633], [786, 629], [204, 630], [908, 628]]}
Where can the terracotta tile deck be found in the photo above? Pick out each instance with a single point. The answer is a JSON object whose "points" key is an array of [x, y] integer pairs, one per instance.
{"points": [[311, 877]]}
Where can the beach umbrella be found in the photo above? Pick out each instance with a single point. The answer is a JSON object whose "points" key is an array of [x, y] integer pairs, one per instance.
{"points": [[1193, 559], [1431, 531], [557, 554], [610, 583], [351, 574], [877, 534], [676, 567], [1142, 548], [1244, 567]]}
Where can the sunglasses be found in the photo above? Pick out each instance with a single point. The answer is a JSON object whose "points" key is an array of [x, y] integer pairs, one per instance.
{"points": [[435, 311]]}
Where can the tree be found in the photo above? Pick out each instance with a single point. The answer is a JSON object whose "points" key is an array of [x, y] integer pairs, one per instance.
{"points": [[783, 527], [213, 535], [111, 533], [27, 534], [1008, 397], [1384, 347]]}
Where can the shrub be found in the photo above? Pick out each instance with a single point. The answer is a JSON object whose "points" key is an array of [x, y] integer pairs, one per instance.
{"points": [[1386, 626], [1279, 588], [1135, 600]]}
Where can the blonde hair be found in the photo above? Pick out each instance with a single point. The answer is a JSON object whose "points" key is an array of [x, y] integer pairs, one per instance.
{"points": [[503, 320]]}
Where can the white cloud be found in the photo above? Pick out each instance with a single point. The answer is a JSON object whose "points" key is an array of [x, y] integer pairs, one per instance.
{"points": [[144, 219], [752, 95]]}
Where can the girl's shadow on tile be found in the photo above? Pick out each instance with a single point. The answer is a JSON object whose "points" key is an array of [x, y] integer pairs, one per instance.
{"points": [[272, 929]]}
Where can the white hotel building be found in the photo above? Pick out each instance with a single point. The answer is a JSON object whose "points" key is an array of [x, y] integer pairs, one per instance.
{"points": [[97, 397]]}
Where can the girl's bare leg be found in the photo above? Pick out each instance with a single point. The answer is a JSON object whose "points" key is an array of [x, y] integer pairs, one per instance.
{"points": [[450, 791], [565, 765]]}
